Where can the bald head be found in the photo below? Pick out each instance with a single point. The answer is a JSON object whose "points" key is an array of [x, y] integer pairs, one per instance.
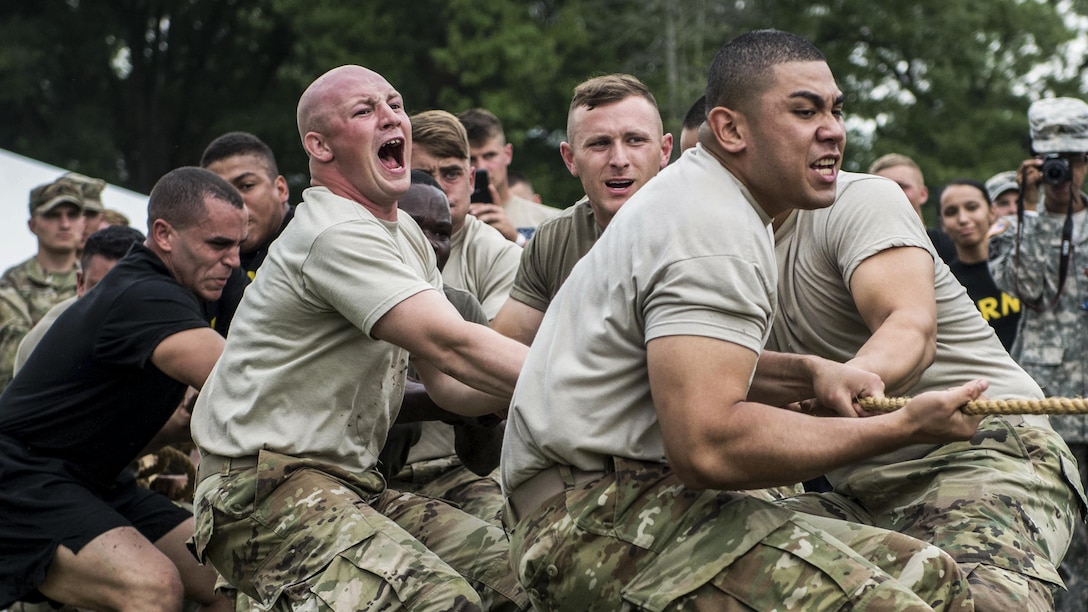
{"points": [[323, 95], [357, 136]]}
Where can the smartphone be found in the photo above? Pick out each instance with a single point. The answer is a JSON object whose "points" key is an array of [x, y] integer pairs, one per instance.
{"points": [[481, 193]]}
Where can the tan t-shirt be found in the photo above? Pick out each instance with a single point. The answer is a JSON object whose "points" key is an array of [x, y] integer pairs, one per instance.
{"points": [[558, 244], [483, 263], [659, 270], [300, 374], [526, 215], [818, 252]]}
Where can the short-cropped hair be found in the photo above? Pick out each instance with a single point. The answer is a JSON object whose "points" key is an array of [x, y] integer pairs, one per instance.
{"points": [[178, 197]]}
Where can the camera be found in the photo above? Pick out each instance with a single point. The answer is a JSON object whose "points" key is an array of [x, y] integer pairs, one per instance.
{"points": [[1056, 170]]}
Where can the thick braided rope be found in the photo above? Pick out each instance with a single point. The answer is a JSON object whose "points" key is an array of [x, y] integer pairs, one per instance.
{"points": [[1050, 405]]}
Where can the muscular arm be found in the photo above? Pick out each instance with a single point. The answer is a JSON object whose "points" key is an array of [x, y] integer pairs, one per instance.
{"points": [[449, 351], [893, 292], [189, 356], [714, 438], [784, 378], [518, 321]]}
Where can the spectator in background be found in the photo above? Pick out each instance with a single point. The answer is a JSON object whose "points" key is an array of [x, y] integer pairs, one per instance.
{"points": [[515, 217], [967, 215], [695, 117], [521, 186], [1043, 264], [114, 217], [908, 175], [100, 253], [1003, 192], [91, 189], [29, 289], [481, 261]]}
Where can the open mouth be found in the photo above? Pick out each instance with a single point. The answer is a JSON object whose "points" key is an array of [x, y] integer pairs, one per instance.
{"points": [[825, 166], [391, 154], [619, 183]]}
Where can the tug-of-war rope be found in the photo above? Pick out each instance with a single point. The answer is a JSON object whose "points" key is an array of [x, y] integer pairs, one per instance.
{"points": [[1050, 405]]}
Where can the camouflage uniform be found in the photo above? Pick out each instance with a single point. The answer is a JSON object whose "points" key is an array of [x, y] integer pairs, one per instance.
{"points": [[448, 480], [638, 539], [1016, 477], [1052, 343], [354, 544], [27, 292]]}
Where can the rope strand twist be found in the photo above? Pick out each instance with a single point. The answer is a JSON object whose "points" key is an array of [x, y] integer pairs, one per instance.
{"points": [[1050, 405]]}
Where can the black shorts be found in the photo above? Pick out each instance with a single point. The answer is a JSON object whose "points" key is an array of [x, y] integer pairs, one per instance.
{"points": [[44, 505]]}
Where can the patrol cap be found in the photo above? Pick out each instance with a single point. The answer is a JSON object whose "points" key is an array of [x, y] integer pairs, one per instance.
{"points": [[45, 198], [1058, 125], [1000, 183], [91, 188]]}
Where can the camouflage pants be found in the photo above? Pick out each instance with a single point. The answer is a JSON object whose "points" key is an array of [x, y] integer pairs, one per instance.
{"points": [[1074, 567], [637, 539], [448, 480], [1003, 505], [296, 534]]}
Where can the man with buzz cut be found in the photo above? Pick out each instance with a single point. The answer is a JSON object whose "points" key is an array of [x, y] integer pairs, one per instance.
{"points": [[481, 260], [615, 144], [29, 289], [637, 423], [104, 380], [515, 217], [290, 508]]}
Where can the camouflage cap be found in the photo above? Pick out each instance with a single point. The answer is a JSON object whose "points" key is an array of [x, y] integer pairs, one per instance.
{"points": [[1058, 125], [45, 198], [91, 188], [1000, 183]]}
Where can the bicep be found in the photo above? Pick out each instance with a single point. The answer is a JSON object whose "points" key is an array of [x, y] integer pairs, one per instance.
{"points": [[189, 356], [896, 282], [695, 381], [421, 324]]}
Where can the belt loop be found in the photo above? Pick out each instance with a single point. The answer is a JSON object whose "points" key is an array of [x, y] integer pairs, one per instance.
{"points": [[566, 476], [224, 470]]}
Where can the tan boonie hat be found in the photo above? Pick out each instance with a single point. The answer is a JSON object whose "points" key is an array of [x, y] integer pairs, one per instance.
{"points": [[45, 198], [1000, 183], [91, 188], [1058, 125]]}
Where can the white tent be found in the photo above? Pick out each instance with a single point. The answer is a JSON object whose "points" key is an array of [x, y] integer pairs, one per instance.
{"points": [[19, 175]]}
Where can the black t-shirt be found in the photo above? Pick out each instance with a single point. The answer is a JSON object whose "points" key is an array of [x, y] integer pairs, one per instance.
{"points": [[944, 246], [1001, 310], [89, 393], [253, 260]]}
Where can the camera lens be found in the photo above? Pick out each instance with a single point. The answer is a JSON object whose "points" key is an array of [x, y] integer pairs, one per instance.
{"points": [[1056, 170]]}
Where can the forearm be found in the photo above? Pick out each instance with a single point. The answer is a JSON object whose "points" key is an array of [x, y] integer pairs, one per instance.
{"points": [[899, 351], [418, 405], [483, 360], [782, 378], [456, 397], [769, 448]]}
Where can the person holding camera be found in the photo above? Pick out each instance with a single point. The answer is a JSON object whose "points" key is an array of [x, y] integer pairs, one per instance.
{"points": [[1037, 259]]}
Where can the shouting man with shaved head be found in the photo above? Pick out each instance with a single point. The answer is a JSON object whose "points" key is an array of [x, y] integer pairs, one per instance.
{"points": [[290, 509]]}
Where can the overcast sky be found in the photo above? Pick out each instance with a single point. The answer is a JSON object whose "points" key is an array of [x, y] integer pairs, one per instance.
{"points": [[19, 175]]}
